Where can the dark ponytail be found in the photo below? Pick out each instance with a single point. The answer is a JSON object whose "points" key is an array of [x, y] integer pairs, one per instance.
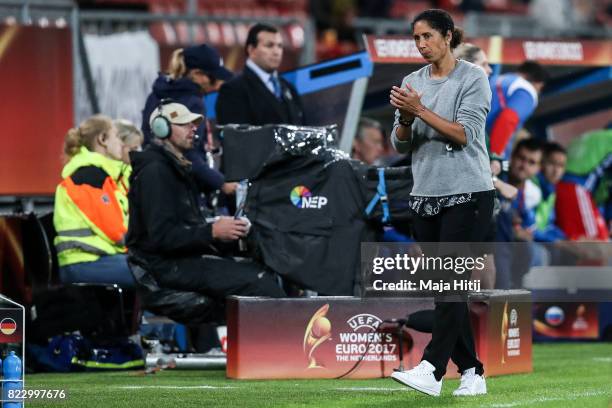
{"points": [[457, 38]]}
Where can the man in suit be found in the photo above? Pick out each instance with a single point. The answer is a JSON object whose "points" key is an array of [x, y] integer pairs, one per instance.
{"points": [[259, 96]]}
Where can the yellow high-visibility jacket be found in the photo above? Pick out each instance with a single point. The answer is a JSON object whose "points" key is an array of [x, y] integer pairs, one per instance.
{"points": [[91, 208]]}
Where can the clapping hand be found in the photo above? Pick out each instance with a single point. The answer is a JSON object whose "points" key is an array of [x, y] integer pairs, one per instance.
{"points": [[407, 100]]}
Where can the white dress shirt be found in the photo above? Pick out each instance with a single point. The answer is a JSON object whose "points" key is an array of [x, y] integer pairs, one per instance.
{"points": [[263, 75]]}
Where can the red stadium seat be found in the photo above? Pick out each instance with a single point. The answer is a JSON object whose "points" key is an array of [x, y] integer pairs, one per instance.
{"points": [[242, 31], [213, 34], [228, 34], [295, 33], [407, 9]]}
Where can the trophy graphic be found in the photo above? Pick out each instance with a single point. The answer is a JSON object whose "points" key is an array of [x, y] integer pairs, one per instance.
{"points": [[317, 332], [504, 332], [580, 323]]}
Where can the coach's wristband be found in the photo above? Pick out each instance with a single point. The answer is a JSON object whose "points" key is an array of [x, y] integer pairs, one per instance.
{"points": [[404, 122]]}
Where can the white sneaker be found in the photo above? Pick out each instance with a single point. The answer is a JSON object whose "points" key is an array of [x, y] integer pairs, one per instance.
{"points": [[471, 384], [421, 378]]}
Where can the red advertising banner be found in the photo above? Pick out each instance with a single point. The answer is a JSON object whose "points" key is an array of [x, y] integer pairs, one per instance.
{"points": [[504, 345], [37, 107], [341, 336], [13, 260], [391, 49], [566, 320]]}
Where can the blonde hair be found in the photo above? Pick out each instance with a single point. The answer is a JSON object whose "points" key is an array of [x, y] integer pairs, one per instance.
{"points": [[85, 134], [127, 131], [467, 52], [177, 67]]}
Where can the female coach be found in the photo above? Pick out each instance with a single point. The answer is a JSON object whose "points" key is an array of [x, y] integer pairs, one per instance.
{"points": [[440, 118]]}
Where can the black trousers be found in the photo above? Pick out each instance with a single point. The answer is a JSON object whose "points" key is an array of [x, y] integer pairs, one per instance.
{"points": [[217, 277], [452, 335]]}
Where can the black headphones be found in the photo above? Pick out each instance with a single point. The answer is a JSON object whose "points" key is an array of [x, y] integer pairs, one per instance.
{"points": [[160, 126]]}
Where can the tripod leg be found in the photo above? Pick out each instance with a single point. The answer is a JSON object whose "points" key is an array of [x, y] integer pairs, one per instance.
{"points": [[400, 340]]}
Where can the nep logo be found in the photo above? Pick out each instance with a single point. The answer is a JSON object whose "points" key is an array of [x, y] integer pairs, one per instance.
{"points": [[301, 197]]}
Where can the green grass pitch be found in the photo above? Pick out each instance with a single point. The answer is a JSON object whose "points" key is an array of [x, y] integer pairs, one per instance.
{"points": [[565, 375]]}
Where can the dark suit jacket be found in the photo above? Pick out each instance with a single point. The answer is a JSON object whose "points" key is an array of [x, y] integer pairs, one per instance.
{"points": [[246, 100]]}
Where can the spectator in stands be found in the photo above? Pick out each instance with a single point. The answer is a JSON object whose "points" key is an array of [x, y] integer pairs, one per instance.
{"points": [[452, 195], [334, 21], [369, 143], [192, 73], [516, 219], [559, 16], [551, 14], [259, 95], [131, 137], [515, 97], [467, 6], [168, 235], [90, 214], [375, 8], [553, 168]]}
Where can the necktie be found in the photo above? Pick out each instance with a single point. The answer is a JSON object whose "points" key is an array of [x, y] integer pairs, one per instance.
{"points": [[276, 86]]}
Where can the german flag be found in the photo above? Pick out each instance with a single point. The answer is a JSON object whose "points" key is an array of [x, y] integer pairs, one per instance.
{"points": [[8, 326]]}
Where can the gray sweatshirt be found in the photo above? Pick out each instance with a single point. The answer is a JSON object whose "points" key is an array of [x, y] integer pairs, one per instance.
{"points": [[440, 169]]}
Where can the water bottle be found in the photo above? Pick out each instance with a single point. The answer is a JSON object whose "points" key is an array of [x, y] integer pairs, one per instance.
{"points": [[11, 371], [241, 194]]}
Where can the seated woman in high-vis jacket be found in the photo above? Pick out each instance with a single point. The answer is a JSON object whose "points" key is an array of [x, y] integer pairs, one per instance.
{"points": [[91, 208]]}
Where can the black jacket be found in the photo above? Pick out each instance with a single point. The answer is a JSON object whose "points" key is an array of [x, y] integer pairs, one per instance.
{"points": [[246, 100], [165, 220], [188, 93]]}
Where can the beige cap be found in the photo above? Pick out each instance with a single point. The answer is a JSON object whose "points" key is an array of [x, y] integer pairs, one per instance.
{"points": [[176, 113]]}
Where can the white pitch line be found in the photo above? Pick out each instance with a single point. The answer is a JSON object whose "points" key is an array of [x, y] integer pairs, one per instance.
{"points": [[603, 359], [372, 389], [547, 399], [174, 387]]}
